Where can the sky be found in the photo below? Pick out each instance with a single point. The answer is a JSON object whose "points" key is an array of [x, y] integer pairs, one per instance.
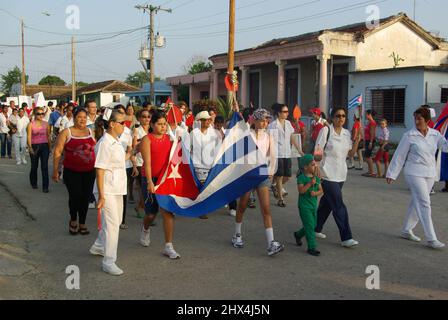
{"points": [[194, 28]]}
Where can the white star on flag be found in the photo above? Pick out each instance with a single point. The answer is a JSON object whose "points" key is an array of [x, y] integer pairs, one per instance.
{"points": [[175, 172]]}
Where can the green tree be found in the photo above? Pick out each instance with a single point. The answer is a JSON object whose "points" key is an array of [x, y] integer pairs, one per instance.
{"points": [[13, 76], [197, 64], [52, 81], [139, 78], [80, 84]]}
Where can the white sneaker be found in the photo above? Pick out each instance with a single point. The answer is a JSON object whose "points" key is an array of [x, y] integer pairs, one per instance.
{"points": [[349, 243], [432, 192], [232, 213], [410, 236], [92, 205], [18, 163], [113, 270], [237, 241], [275, 247], [145, 238], [320, 235], [436, 244], [96, 251], [24, 161], [171, 253], [124, 226]]}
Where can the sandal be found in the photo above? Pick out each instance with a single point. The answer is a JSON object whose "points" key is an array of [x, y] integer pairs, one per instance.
{"points": [[72, 229], [281, 203], [84, 231], [369, 175]]}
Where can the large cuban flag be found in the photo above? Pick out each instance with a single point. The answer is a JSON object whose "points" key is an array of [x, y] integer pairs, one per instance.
{"points": [[237, 168], [442, 157]]}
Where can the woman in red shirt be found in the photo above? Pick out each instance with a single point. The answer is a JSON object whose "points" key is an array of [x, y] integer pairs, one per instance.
{"points": [[369, 142], [155, 149], [78, 145], [356, 138]]}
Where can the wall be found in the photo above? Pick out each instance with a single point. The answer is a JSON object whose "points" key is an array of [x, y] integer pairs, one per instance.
{"points": [[398, 38], [412, 79], [435, 82], [105, 98]]}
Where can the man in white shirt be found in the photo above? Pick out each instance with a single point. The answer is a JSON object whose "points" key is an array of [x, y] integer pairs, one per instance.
{"points": [[19, 139], [4, 130], [283, 131], [66, 121], [205, 143], [92, 115]]}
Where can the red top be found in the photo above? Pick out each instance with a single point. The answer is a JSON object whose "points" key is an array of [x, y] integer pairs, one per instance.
{"points": [[431, 124], [79, 153], [128, 124], [316, 127], [356, 126], [160, 155], [367, 130]]}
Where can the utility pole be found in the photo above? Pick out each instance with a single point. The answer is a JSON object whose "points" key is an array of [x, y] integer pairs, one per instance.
{"points": [[153, 10], [23, 77], [73, 71], [231, 95]]}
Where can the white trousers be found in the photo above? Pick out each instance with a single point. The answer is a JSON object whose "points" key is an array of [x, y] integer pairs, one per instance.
{"points": [[111, 216], [19, 144], [420, 206]]}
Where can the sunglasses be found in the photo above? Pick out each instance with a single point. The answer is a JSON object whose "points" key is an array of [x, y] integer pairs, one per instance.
{"points": [[40, 114], [340, 116], [285, 111], [145, 117], [121, 122]]}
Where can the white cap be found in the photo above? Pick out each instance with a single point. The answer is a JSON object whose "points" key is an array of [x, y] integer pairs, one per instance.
{"points": [[202, 115], [433, 113]]}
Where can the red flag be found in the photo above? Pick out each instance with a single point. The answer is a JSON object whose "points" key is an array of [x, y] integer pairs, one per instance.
{"points": [[190, 121], [174, 115], [178, 179]]}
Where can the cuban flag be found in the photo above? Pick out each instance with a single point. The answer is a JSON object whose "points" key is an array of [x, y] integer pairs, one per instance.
{"points": [[237, 168], [355, 102], [442, 157]]}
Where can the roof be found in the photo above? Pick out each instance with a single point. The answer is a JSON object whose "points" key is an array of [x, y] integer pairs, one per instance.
{"points": [[359, 29], [442, 68], [48, 90], [107, 86], [160, 86]]}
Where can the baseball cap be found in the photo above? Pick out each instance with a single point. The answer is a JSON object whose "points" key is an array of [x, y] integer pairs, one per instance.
{"points": [[316, 111], [261, 114], [202, 115]]}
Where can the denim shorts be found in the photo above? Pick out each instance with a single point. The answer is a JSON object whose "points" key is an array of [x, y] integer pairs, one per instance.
{"points": [[266, 183]]}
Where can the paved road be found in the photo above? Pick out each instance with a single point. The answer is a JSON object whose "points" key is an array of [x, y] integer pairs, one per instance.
{"points": [[35, 249]]}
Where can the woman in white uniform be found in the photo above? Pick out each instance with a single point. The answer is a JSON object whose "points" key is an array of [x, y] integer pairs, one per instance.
{"points": [[110, 186], [416, 153]]}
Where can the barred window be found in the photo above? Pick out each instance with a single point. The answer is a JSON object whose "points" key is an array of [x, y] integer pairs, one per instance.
{"points": [[389, 104], [444, 98]]}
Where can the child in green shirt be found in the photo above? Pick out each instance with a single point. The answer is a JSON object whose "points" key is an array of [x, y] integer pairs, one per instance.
{"points": [[309, 189]]}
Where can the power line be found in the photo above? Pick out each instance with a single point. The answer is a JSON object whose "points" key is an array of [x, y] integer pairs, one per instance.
{"points": [[183, 4], [247, 18], [279, 23], [83, 34]]}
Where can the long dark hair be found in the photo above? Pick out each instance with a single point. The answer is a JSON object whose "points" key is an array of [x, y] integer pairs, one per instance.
{"points": [[156, 116]]}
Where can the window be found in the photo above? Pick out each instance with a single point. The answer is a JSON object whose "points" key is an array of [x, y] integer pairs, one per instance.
{"points": [[389, 104], [254, 89], [444, 98]]}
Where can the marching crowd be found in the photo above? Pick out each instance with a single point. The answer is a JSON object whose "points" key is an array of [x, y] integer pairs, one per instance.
{"points": [[100, 154]]}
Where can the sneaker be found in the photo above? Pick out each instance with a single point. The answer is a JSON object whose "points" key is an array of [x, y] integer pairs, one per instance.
{"points": [[96, 251], [275, 248], [24, 161], [251, 204], [410, 236], [171, 253], [237, 241], [124, 226], [351, 167], [18, 163], [92, 205], [145, 238], [113, 270], [320, 235], [435, 244], [313, 252], [349, 243], [232, 213], [433, 192]]}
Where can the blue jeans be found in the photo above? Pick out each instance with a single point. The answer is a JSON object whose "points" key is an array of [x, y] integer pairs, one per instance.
{"points": [[6, 144], [42, 153], [332, 202]]}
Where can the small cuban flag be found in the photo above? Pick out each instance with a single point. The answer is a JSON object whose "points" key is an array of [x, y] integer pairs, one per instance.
{"points": [[355, 102], [442, 157]]}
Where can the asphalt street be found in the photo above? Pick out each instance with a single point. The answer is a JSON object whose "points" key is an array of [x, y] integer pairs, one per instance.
{"points": [[36, 248]]}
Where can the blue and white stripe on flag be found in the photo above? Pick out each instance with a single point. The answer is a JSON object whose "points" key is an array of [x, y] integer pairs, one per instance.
{"points": [[355, 102], [234, 172]]}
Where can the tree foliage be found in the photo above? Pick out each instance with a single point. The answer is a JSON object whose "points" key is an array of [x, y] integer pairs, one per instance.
{"points": [[139, 78], [197, 64], [52, 81], [12, 77]]}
